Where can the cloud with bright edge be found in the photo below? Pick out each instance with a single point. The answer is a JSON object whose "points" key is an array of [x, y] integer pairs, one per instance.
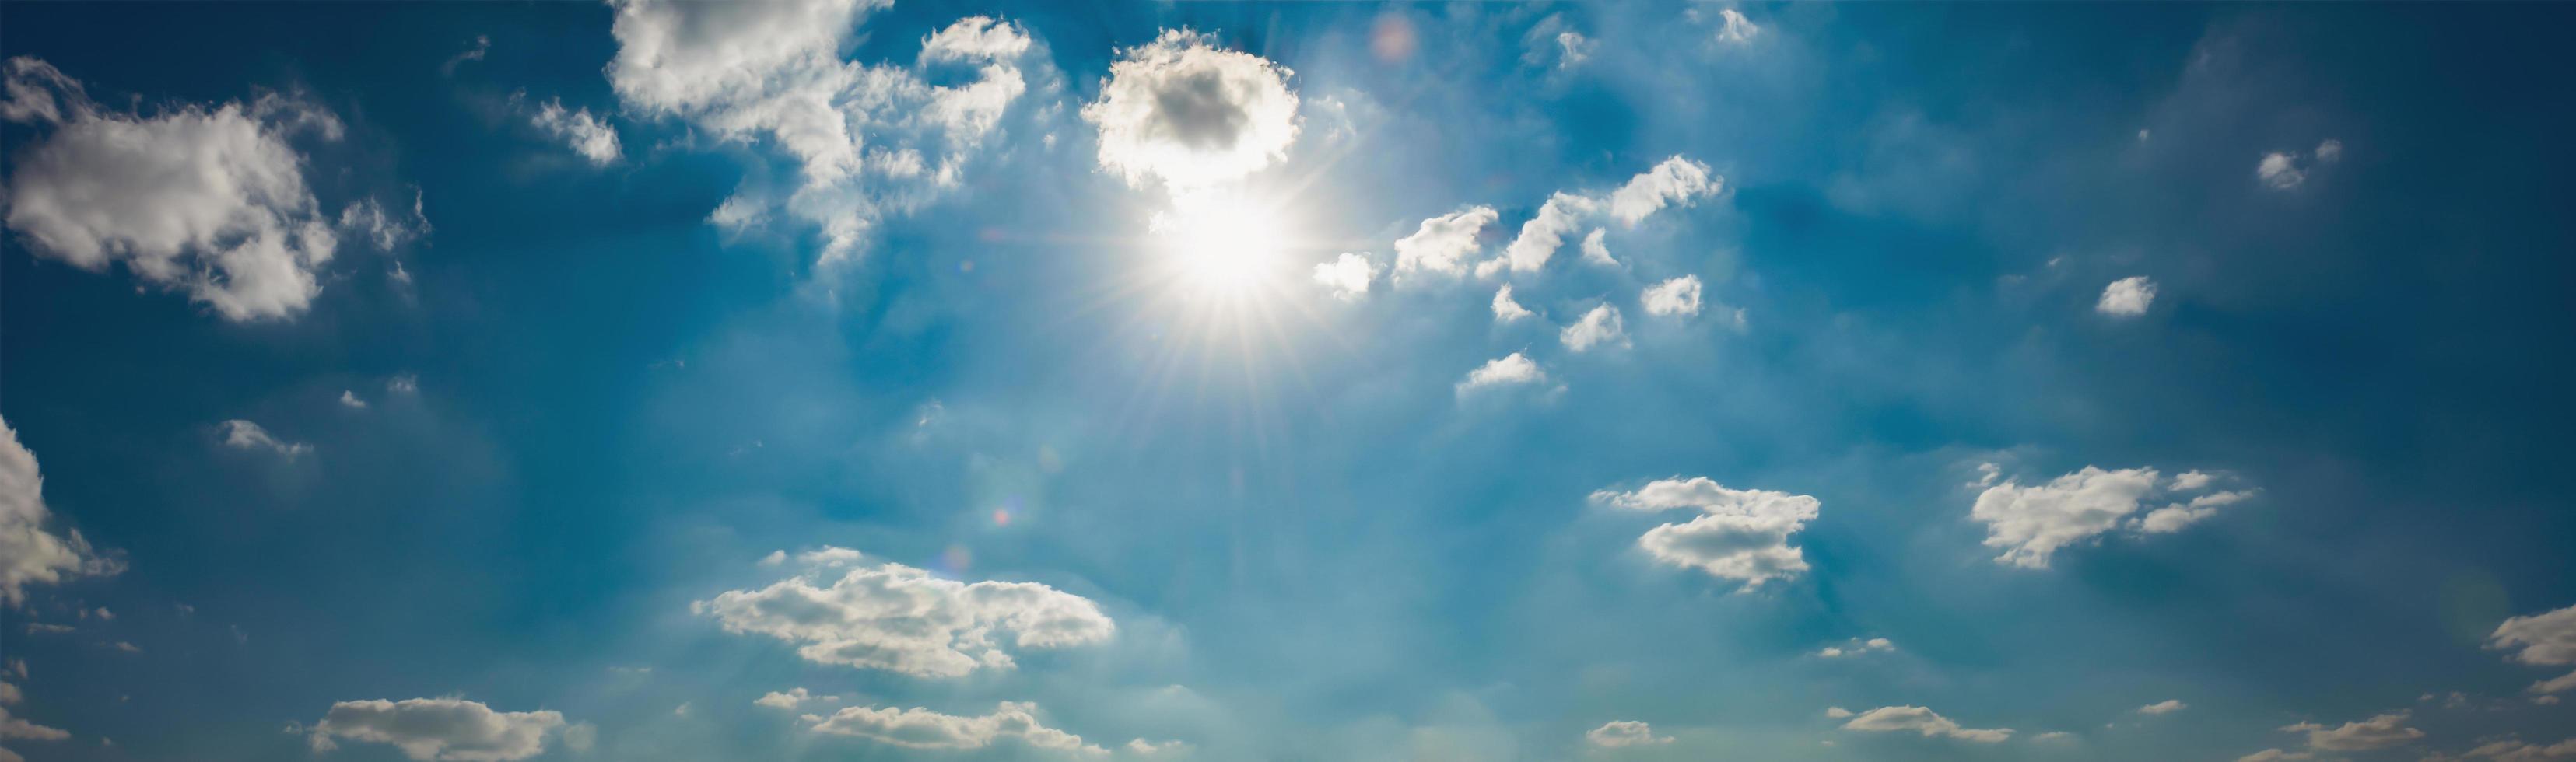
{"points": [[1741, 535], [31, 551], [2031, 523], [1596, 250], [1183, 111], [2378, 732], [1442, 245], [589, 136], [2274, 755], [1737, 30], [1624, 733], [901, 619], [792, 698], [2279, 171], [2167, 706], [16, 728], [1857, 647], [1678, 297], [1600, 327], [2546, 639], [2516, 750], [245, 435], [918, 728], [1542, 235], [2127, 297], [1507, 309], [1897, 719], [210, 201], [1514, 369], [445, 729], [870, 141], [1677, 181], [1347, 276]]}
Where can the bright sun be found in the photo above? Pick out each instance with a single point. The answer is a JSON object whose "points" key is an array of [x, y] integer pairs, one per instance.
{"points": [[1218, 244]]}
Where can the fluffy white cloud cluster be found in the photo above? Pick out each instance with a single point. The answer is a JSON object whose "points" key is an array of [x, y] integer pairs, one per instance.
{"points": [[2547, 639], [1600, 327], [1347, 276], [2379, 732], [1857, 647], [1442, 245], [1893, 719], [2286, 170], [1182, 111], [2127, 297], [1678, 296], [2517, 750], [918, 728], [1740, 535], [1507, 309], [901, 619], [15, 728], [445, 729], [870, 141], [206, 200], [2167, 706], [30, 552], [1510, 370], [245, 435], [1543, 234], [2030, 523], [792, 698], [1677, 181], [1623, 733], [588, 135]]}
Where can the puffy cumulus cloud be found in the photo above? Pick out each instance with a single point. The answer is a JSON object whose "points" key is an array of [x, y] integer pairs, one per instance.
{"points": [[918, 728], [2514, 750], [1858, 647], [31, 553], [1543, 234], [2330, 151], [2547, 639], [588, 135], [2274, 755], [1600, 327], [1892, 719], [446, 729], [1442, 245], [1679, 296], [1514, 369], [2167, 706], [244, 435], [2379, 732], [2559, 684], [2031, 523], [1677, 181], [1347, 276], [900, 619], [1595, 250], [1144, 748], [210, 201], [1190, 114], [1735, 29], [1506, 309], [871, 141], [1622, 733], [1741, 535], [2127, 297], [790, 699]]}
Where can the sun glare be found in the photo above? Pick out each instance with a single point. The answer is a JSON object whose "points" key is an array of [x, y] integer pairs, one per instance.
{"points": [[1219, 245]]}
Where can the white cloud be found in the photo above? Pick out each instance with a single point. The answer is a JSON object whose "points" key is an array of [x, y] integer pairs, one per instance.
{"points": [[210, 201], [1442, 244], [791, 699], [2544, 639], [349, 399], [2280, 171], [1622, 733], [1191, 114], [445, 729], [2167, 706], [1738, 29], [870, 141], [1740, 535], [2380, 732], [2559, 684], [2517, 750], [2127, 297], [30, 552], [1679, 296], [2274, 755], [897, 618], [2187, 481], [918, 728], [1675, 182], [1347, 275], [244, 435], [2330, 151], [1508, 370], [1890, 719], [2030, 523], [1857, 647], [1837, 713], [1573, 49], [1595, 251], [1600, 327], [1142, 747], [588, 135], [1506, 309], [1543, 234]]}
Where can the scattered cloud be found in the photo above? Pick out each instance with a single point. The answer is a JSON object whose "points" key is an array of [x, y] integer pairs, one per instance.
{"points": [[2543, 639], [1599, 327], [1510, 370], [1741, 535], [244, 435], [1543, 234], [1595, 250], [1675, 182], [1190, 114], [2379, 732], [2031, 523], [1443, 244], [2280, 171], [918, 728], [1857, 647], [1348, 275], [32, 552], [588, 135], [791, 699], [444, 729], [1678, 296], [900, 619], [1623, 733], [2127, 297], [2274, 755], [2167, 706], [349, 399], [1737, 30], [2330, 151], [1506, 309], [1893, 719], [2515, 750]]}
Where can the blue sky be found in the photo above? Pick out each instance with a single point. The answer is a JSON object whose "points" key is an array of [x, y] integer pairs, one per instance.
{"points": [[826, 381]]}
